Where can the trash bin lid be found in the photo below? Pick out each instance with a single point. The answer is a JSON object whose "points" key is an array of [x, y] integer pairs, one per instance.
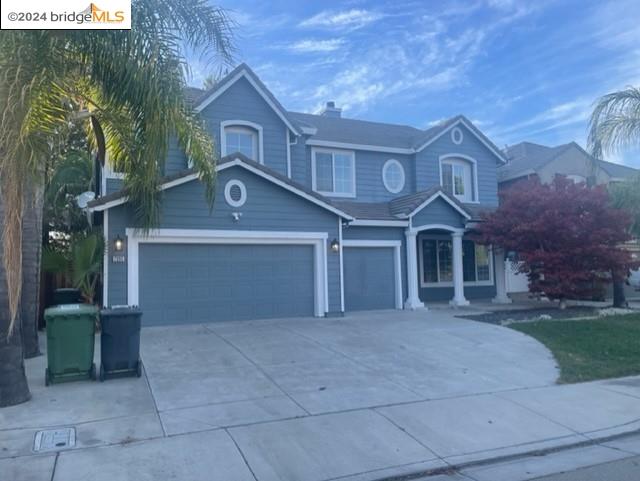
{"points": [[121, 311], [71, 310]]}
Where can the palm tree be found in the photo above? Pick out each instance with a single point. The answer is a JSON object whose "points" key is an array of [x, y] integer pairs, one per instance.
{"points": [[615, 126], [132, 85]]}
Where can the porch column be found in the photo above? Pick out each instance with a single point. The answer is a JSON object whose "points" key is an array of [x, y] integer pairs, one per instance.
{"points": [[413, 296], [501, 282], [458, 275]]}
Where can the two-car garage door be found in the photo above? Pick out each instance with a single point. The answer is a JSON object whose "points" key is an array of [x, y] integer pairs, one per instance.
{"points": [[188, 283]]}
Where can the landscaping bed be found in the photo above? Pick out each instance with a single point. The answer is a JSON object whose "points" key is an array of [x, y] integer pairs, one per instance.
{"points": [[508, 316], [590, 349]]}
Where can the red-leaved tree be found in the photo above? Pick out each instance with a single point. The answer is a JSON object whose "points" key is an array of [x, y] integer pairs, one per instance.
{"points": [[567, 236]]}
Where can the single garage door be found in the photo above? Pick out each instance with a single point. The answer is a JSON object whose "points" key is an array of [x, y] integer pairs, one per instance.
{"points": [[369, 278], [189, 283]]}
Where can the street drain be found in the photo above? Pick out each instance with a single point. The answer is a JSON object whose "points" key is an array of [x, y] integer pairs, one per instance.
{"points": [[54, 440]]}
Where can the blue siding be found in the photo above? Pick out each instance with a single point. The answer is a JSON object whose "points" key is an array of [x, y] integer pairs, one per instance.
{"points": [[369, 183], [242, 102], [438, 212], [268, 207], [428, 164]]}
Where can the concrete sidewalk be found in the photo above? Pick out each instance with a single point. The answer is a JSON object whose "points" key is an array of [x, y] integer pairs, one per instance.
{"points": [[259, 424]]}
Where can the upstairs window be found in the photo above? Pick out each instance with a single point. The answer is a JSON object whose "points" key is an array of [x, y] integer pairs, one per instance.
{"points": [[333, 172], [457, 179], [243, 140], [241, 136]]}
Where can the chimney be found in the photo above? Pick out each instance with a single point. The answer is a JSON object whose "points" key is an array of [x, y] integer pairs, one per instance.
{"points": [[330, 110]]}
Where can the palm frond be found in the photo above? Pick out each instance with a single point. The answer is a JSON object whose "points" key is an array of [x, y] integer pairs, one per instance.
{"points": [[615, 122]]}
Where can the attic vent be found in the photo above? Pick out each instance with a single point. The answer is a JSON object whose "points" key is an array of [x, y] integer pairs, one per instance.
{"points": [[330, 110]]}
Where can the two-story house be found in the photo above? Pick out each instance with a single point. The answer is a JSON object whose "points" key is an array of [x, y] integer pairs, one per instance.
{"points": [[314, 215]]}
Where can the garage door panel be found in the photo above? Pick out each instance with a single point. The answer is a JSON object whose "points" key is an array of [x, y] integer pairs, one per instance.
{"points": [[369, 278], [184, 283]]}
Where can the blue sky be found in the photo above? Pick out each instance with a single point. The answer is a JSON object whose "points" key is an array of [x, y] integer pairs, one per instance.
{"points": [[521, 70]]}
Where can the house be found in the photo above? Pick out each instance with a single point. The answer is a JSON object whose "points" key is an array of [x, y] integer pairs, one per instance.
{"points": [[529, 160], [314, 215], [526, 160]]}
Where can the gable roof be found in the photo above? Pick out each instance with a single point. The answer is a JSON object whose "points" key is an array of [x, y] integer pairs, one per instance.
{"points": [[527, 158], [120, 197], [409, 205], [431, 135], [242, 71]]}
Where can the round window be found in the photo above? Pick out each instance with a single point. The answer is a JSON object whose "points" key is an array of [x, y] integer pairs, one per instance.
{"points": [[456, 136], [235, 193], [393, 176]]}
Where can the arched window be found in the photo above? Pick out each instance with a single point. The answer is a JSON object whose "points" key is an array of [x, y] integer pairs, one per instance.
{"points": [[241, 136]]}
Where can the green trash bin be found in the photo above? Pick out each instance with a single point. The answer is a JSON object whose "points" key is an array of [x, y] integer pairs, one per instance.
{"points": [[70, 342]]}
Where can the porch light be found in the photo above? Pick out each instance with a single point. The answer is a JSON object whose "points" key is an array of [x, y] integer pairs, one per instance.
{"points": [[118, 244], [335, 245]]}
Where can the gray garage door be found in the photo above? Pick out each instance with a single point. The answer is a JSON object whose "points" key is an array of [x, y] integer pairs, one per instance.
{"points": [[187, 283], [369, 278]]}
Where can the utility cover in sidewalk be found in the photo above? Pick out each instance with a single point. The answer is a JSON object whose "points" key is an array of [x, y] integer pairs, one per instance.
{"points": [[54, 439]]}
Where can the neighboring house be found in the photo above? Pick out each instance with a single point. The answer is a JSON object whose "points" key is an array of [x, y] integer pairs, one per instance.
{"points": [[314, 215], [528, 160]]}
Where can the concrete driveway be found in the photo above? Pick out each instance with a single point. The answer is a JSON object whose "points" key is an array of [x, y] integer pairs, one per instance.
{"points": [[245, 372], [363, 397]]}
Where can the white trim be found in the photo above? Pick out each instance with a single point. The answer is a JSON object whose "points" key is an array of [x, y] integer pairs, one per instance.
{"points": [[105, 260], [443, 197], [423, 227], [454, 131], [243, 73], [474, 174], [350, 146], [396, 245], [341, 266], [227, 193], [424, 284], [226, 165], [201, 236], [241, 123], [379, 223], [471, 129], [287, 139], [385, 167], [314, 151], [309, 130]]}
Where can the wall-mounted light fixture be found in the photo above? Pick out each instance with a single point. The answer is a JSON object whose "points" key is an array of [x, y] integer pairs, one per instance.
{"points": [[335, 245], [118, 244]]}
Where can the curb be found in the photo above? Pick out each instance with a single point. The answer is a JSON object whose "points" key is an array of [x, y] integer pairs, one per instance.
{"points": [[452, 468]]}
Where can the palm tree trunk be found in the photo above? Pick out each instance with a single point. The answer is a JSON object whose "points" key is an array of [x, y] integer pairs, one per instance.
{"points": [[31, 252], [13, 381]]}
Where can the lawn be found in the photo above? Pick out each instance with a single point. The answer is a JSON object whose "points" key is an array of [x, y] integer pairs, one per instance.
{"points": [[591, 348]]}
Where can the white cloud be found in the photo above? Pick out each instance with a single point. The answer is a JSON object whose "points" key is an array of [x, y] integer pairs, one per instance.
{"points": [[310, 46], [346, 19]]}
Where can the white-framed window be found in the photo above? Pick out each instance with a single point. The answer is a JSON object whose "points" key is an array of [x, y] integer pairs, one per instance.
{"points": [[393, 176], [241, 136], [457, 178], [333, 172], [435, 255]]}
